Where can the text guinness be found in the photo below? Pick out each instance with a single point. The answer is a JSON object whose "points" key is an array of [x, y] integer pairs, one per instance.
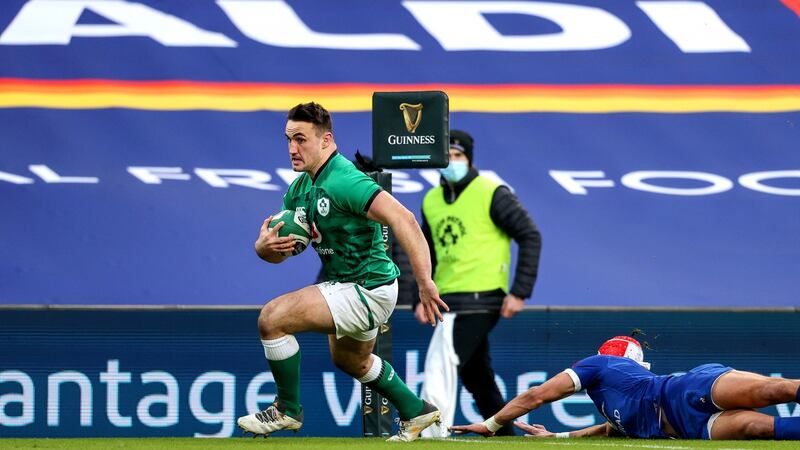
{"points": [[411, 140]]}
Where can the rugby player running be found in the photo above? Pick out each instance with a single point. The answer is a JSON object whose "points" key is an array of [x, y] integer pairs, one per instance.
{"points": [[345, 209]]}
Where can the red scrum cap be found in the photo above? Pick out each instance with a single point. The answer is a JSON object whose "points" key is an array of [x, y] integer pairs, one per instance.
{"points": [[626, 347]]}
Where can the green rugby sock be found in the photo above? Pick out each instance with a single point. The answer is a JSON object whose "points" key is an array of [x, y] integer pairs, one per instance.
{"points": [[389, 385], [283, 356]]}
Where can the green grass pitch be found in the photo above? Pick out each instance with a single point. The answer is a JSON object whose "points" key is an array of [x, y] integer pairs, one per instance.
{"points": [[295, 443]]}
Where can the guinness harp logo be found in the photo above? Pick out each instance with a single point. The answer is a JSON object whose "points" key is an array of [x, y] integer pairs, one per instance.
{"points": [[412, 114]]}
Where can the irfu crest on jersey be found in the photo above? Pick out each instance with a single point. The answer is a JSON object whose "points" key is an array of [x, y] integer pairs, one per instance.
{"points": [[323, 206]]}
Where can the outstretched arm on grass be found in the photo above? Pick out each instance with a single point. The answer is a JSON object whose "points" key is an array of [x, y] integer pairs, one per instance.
{"points": [[556, 388], [539, 431]]}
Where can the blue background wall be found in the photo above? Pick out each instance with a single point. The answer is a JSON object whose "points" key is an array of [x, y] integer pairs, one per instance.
{"points": [[121, 241]]}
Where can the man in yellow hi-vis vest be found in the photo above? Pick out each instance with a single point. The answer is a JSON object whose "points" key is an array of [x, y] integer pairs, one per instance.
{"points": [[469, 221]]}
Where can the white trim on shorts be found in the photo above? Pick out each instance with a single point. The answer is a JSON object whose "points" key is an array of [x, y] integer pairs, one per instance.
{"points": [[711, 391], [350, 316], [713, 418]]}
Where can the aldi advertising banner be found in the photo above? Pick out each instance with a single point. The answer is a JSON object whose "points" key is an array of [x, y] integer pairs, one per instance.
{"points": [[656, 143]]}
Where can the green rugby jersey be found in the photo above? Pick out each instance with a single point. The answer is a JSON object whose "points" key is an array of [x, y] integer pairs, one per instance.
{"points": [[336, 203]]}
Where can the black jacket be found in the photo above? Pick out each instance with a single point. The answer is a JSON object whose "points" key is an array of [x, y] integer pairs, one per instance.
{"points": [[510, 216]]}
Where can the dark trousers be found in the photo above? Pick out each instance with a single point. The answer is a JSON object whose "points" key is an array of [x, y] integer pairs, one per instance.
{"points": [[471, 344]]}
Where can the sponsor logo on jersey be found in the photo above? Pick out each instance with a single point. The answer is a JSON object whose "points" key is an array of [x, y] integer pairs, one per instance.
{"points": [[316, 236], [300, 215], [616, 422]]}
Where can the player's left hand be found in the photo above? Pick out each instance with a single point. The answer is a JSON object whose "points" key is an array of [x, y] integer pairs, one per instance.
{"points": [[534, 430], [477, 428], [511, 306], [429, 298]]}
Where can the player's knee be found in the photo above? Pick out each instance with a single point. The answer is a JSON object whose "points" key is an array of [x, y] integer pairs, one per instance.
{"points": [[349, 365], [268, 320], [778, 391], [758, 429]]}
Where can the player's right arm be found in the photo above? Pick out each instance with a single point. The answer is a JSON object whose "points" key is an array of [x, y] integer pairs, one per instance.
{"points": [[270, 247], [556, 388]]}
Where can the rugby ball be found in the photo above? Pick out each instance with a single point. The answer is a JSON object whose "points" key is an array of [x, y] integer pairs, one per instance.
{"points": [[294, 225]]}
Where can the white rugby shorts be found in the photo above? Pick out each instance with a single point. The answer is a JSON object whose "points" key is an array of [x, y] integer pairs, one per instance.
{"points": [[358, 312]]}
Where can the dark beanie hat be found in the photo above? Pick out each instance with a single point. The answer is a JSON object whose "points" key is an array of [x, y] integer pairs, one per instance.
{"points": [[462, 141]]}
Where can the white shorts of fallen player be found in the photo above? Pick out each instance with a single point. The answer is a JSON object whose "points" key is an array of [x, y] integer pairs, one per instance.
{"points": [[358, 312]]}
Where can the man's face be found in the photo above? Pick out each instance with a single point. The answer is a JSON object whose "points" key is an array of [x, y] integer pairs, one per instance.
{"points": [[458, 155], [305, 146]]}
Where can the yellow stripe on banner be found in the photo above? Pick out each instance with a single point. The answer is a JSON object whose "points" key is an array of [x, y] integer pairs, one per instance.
{"points": [[613, 104], [233, 97], [178, 102]]}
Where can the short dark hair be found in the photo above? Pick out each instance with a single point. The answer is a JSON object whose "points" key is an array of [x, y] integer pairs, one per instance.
{"points": [[314, 113]]}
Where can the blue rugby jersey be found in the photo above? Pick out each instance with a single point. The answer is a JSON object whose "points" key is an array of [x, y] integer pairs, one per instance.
{"points": [[627, 394]]}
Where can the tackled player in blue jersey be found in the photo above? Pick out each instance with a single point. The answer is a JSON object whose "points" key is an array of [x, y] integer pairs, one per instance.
{"points": [[711, 401]]}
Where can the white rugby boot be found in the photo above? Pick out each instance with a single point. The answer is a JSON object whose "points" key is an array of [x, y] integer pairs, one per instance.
{"points": [[411, 428], [269, 421]]}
